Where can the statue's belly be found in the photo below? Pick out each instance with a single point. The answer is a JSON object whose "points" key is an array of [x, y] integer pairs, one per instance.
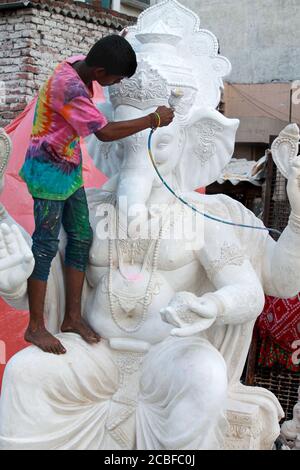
{"points": [[122, 308]]}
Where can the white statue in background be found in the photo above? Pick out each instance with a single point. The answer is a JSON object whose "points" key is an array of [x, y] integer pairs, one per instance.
{"points": [[291, 429], [176, 315]]}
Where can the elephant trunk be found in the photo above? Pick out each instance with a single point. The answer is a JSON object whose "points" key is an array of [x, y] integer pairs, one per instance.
{"points": [[134, 188]]}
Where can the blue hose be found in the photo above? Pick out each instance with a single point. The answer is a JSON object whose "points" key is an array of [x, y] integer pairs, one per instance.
{"points": [[203, 214]]}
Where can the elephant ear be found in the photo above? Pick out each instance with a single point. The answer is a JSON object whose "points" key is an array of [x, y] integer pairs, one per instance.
{"points": [[285, 149], [208, 147]]}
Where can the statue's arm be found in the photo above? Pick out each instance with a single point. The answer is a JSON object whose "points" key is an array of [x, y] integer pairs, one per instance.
{"points": [[237, 297], [16, 263], [281, 263], [17, 298], [16, 258]]}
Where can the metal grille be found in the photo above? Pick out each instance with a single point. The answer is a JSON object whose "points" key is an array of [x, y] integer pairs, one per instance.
{"points": [[282, 382], [276, 204]]}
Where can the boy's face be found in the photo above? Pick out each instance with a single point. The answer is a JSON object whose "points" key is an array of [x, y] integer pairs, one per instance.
{"points": [[105, 79]]}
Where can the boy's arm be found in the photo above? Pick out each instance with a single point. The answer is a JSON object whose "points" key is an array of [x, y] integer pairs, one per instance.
{"points": [[119, 130]]}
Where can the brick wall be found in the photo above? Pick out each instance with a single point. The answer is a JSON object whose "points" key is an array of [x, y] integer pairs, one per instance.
{"points": [[35, 38]]}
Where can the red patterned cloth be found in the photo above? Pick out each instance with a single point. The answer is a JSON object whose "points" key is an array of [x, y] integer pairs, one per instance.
{"points": [[279, 328]]}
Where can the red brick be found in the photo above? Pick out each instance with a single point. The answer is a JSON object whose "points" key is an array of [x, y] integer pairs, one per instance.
{"points": [[35, 40]]}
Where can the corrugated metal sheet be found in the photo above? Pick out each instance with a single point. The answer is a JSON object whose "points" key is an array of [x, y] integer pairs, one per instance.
{"points": [[73, 9]]}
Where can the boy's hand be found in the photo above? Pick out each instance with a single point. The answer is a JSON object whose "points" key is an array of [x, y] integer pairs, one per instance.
{"points": [[166, 115], [122, 129]]}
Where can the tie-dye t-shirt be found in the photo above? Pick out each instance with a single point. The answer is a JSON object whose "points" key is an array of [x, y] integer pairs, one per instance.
{"points": [[64, 113]]}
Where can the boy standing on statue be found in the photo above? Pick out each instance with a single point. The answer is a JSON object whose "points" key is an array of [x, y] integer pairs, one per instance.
{"points": [[53, 173]]}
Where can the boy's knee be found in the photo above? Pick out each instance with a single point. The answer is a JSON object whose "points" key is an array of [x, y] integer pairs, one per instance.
{"points": [[78, 249], [81, 239], [45, 249]]}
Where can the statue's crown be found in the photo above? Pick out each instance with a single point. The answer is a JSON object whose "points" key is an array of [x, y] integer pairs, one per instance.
{"points": [[145, 89]]}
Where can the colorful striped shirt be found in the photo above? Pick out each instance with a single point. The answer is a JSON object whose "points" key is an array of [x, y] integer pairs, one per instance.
{"points": [[64, 113]]}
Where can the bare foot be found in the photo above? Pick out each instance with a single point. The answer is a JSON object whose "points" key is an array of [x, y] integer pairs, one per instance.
{"points": [[41, 338], [79, 326]]}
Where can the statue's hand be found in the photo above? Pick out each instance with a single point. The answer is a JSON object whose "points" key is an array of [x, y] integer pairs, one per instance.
{"points": [[293, 187], [189, 314], [16, 259]]}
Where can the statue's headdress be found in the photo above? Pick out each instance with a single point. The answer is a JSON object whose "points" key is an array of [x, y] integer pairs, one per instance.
{"points": [[172, 52], [145, 89]]}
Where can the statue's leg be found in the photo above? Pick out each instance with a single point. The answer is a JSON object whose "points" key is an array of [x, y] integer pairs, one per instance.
{"points": [[58, 402], [182, 396]]}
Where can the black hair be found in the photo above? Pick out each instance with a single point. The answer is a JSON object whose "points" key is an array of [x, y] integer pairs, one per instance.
{"points": [[114, 54]]}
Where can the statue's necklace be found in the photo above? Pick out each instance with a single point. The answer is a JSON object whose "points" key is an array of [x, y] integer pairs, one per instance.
{"points": [[133, 300]]}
